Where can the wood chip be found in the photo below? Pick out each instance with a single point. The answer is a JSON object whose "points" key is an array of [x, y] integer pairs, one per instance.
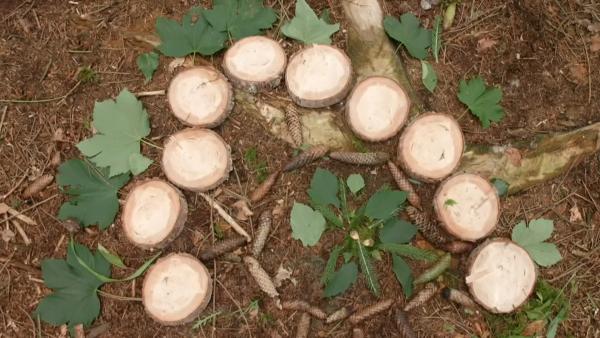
{"points": [[310, 155], [222, 247], [264, 227], [303, 326], [404, 184], [265, 187], [340, 314], [300, 305], [374, 158], [292, 120], [403, 325], [261, 277], [370, 310], [421, 297]]}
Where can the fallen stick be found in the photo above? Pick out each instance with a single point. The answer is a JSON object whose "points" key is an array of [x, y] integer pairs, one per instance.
{"points": [[21, 232], [226, 216]]}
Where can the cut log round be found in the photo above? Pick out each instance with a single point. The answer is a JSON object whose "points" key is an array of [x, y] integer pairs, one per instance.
{"points": [[501, 275], [377, 109], [200, 97], [176, 289], [154, 214], [468, 206], [430, 148], [318, 76], [196, 159], [255, 63]]}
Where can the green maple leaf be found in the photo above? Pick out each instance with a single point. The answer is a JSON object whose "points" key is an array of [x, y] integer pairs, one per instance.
{"points": [[74, 299], [241, 18], [194, 35], [307, 225], [532, 238], [120, 126], [147, 63], [409, 32], [481, 100], [93, 195], [308, 28]]}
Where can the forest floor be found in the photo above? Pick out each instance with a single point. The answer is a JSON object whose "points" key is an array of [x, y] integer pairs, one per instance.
{"points": [[541, 53]]}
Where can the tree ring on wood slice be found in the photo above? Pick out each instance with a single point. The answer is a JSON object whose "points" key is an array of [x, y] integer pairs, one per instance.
{"points": [[200, 97], [196, 159], [501, 275], [431, 147], [318, 76], [377, 109], [255, 63], [176, 289], [468, 206], [154, 214]]}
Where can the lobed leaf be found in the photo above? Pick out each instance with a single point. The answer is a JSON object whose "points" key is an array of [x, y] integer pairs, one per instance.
{"points": [[308, 28], [482, 101], [409, 32], [241, 18]]}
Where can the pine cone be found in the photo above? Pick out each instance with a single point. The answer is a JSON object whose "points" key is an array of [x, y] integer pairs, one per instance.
{"points": [[303, 326], [261, 277], [459, 297], [429, 229], [310, 155], [292, 119], [38, 185], [403, 324], [340, 314], [370, 311], [422, 297], [300, 305], [222, 247], [264, 188], [360, 158], [264, 226], [404, 184]]}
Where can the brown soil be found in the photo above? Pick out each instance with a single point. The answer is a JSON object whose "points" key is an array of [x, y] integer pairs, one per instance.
{"points": [[541, 58]]}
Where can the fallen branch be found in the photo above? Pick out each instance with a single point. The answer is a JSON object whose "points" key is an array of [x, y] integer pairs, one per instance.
{"points": [[225, 216]]}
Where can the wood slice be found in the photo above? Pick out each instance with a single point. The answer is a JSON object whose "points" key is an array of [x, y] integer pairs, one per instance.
{"points": [[377, 109], [501, 275], [196, 159], [255, 63], [176, 289], [468, 206], [318, 76], [154, 214], [431, 147], [200, 97]]}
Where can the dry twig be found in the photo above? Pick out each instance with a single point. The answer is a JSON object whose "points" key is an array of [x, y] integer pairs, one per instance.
{"points": [[226, 216]]}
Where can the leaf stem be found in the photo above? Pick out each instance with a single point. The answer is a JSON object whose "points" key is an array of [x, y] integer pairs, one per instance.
{"points": [[117, 297], [151, 144]]}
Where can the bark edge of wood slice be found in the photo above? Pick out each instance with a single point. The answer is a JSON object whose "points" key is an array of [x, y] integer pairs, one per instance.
{"points": [[196, 159], [318, 76], [176, 289], [494, 278], [200, 96], [153, 214], [430, 148], [467, 206], [255, 63], [377, 108]]}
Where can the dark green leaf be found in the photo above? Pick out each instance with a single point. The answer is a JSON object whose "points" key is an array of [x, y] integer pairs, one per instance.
{"points": [[384, 204], [450, 202], [436, 37], [121, 125], [341, 280], [395, 230], [307, 224], [110, 257], [501, 186], [189, 37], [147, 63], [330, 216], [409, 251], [241, 18], [324, 188], [330, 266], [403, 275], [428, 76], [482, 101], [409, 32], [366, 266], [307, 27], [93, 196]]}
